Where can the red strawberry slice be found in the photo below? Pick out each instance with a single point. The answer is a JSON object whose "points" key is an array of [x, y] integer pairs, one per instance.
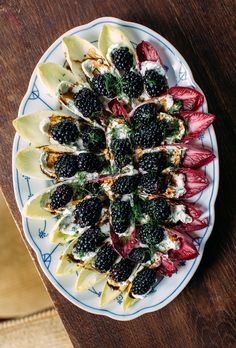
{"points": [[167, 267], [197, 224], [187, 250], [196, 156], [197, 122], [191, 98], [117, 108], [195, 181], [147, 52], [122, 245]]}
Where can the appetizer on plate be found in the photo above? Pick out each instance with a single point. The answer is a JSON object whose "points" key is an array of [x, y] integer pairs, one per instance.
{"points": [[123, 164]]}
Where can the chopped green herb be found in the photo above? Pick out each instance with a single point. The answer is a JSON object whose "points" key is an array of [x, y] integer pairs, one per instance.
{"points": [[175, 107]]}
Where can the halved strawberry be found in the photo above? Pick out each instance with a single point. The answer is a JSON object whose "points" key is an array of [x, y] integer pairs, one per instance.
{"points": [[124, 245], [195, 181], [187, 250], [197, 122], [191, 98], [197, 224], [147, 52]]}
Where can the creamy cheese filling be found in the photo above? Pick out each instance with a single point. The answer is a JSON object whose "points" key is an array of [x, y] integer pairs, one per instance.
{"points": [[89, 66], [167, 101], [179, 133], [121, 130], [148, 65], [168, 244], [178, 213], [180, 185], [85, 257], [44, 126]]}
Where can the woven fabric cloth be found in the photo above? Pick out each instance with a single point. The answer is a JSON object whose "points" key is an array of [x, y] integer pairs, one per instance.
{"points": [[20, 283], [36, 331]]}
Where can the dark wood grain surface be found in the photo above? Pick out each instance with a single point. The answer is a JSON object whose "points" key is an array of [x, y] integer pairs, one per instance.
{"points": [[203, 314]]}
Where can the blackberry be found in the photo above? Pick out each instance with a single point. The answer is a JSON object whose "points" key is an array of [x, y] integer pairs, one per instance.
{"points": [[66, 166], [121, 271], [88, 241], [94, 139], [152, 183], [105, 85], [132, 84], [153, 161], [125, 184], [120, 215], [122, 58], [88, 162], [65, 132], [158, 209], [147, 136], [121, 150], [145, 114], [150, 234], [88, 212], [140, 255], [105, 258], [61, 196], [144, 281], [87, 102], [120, 146], [155, 83]]}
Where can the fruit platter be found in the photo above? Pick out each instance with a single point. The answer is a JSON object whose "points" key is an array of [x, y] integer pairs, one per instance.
{"points": [[115, 168]]}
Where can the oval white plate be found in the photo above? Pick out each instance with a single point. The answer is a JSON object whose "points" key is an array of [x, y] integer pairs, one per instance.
{"points": [[36, 231]]}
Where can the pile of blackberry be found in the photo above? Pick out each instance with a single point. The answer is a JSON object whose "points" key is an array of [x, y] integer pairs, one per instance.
{"points": [[122, 151], [105, 258], [140, 255], [120, 216], [122, 58], [132, 84], [66, 166], [158, 209], [61, 196], [93, 139], [88, 212], [145, 114], [143, 281], [125, 184], [87, 103], [150, 234], [148, 135], [88, 162], [155, 84], [153, 183], [153, 162], [89, 241], [65, 132], [121, 271], [105, 85]]}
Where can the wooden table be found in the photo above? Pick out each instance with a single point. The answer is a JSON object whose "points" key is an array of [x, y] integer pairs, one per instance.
{"points": [[202, 315]]}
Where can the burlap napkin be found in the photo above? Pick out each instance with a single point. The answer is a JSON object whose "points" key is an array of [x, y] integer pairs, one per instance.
{"points": [[20, 283], [22, 293], [43, 330]]}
